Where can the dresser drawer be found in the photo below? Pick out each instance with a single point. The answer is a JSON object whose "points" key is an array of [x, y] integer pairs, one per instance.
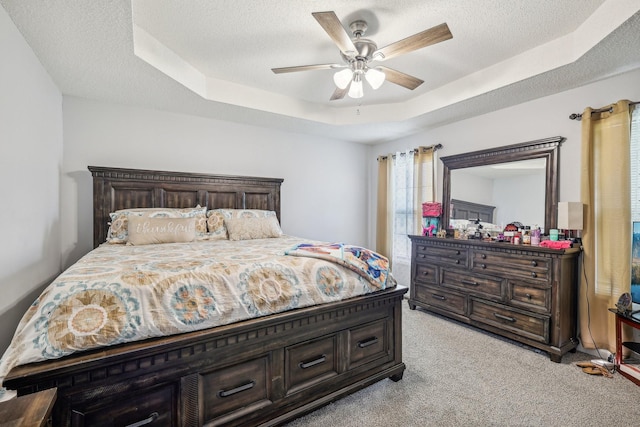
{"points": [[442, 298], [529, 325], [310, 362], [528, 267], [425, 273], [236, 388], [442, 256], [529, 296], [369, 343], [472, 283], [156, 407]]}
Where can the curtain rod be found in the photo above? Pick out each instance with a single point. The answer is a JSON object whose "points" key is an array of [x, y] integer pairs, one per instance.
{"points": [[576, 116], [435, 148]]}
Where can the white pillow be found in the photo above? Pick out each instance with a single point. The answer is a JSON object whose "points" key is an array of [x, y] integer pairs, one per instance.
{"points": [[253, 228]]}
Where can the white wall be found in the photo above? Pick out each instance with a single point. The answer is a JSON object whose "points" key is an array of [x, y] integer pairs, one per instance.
{"points": [[325, 181], [30, 161], [540, 118]]}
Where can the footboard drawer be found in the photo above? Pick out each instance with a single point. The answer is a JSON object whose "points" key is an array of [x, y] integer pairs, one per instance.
{"points": [[237, 390], [153, 407], [310, 362], [369, 343]]}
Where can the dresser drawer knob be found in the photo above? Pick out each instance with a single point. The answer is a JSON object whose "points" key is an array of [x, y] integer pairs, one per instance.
{"points": [[507, 318], [528, 296], [243, 387], [425, 273], [483, 256], [534, 263], [151, 418], [367, 342], [457, 252], [483, 265], [457, 261], [421, 256], [317, 361], [440, 297], [534, 274]]}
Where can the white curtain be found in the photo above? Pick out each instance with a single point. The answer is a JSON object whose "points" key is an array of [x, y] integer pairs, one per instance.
{"points": [[404, 206]]}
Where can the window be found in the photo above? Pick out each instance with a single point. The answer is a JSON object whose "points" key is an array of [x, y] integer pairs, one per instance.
{"points": [[635, 203]]}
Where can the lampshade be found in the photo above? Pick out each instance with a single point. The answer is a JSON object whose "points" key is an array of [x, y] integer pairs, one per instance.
{"points": [[342, 78], [355, 91], [375, 78], [570, 215]]}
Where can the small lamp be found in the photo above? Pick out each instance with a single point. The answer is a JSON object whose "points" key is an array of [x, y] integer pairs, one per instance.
{"points": [[570, 218]]}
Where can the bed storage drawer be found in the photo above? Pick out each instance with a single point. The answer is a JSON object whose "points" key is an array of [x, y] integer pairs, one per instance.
{"points": [[310, 362], [157, 407], [369, 343], [234, 391]]}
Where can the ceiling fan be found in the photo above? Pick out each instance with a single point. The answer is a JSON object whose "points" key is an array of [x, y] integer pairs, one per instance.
{"points": [[358, 53]]}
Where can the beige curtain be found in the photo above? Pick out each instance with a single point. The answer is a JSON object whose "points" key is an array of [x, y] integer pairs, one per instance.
{"points": [[384, 226], [606, 238], [423, 178]]}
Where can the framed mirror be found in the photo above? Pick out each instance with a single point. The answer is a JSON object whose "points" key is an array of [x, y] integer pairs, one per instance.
{"points": [[501, 185]]}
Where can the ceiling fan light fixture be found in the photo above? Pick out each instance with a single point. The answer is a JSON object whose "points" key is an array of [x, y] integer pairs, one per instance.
{"points": [[375, 77], [343, 78], [356, 91]]}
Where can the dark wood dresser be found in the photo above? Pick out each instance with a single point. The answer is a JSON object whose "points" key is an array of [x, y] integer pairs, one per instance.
{"points": [[525, 293]]}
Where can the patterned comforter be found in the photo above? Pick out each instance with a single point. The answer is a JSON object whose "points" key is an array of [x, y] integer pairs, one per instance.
{"points": [[119, 293]]}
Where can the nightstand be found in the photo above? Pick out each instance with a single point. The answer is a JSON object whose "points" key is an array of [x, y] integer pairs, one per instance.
{"points": [[31, 410], [630, 371]]}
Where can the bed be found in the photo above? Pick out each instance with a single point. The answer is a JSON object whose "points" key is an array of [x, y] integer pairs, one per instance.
{"points": [[461, 209], [262, 370]]}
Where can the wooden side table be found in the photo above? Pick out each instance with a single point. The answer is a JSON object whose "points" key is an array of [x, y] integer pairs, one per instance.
{"points": [[630, 371], [32, 410]]}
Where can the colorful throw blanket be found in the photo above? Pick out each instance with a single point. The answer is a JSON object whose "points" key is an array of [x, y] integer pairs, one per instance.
{"points": [[369, 264]]}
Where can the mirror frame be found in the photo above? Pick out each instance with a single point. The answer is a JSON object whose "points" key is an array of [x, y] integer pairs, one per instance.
{"points": [[548, 149]]}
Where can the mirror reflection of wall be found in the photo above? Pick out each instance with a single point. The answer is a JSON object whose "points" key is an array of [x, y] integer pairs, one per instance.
{"points": [[517, 189]]}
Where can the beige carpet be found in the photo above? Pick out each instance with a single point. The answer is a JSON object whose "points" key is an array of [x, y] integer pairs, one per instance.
{"points": [[459, 376]]}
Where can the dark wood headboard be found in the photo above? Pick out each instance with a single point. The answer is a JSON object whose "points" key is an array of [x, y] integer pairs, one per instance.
{"points": [[469, 210], [115, 188]]}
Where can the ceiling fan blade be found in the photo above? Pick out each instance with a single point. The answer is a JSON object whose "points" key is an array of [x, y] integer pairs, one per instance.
{"points": [[340, 93], [400, 78], [306, 68], [417, 41], [331, 24]]}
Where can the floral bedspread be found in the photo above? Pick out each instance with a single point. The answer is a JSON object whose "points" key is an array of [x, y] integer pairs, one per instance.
{"points": [[119, 293]]}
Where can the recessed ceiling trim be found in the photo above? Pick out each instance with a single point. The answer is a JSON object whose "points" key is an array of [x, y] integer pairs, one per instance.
{"points": [[549, 56]]}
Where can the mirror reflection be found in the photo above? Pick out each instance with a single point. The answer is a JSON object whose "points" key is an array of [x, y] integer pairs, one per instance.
{"points": [[501, 193]]}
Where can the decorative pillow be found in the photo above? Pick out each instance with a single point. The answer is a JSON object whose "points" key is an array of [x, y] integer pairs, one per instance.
{"points": [[215, 220], [118, 230], [253, 228], [147, 231]]}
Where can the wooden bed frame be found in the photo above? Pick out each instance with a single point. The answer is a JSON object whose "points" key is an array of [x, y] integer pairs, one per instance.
{"points": [[262, 371], [461, 209]]}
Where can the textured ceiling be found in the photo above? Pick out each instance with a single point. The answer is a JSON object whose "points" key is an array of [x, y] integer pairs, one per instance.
{"points": [[214, 58]]}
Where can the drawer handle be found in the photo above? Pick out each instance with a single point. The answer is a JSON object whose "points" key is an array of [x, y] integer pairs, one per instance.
{"points": [[368, 342], [440, 297], [227, 393], [151, 418], [425, 273], [457, 252], [305, 365], [457, 261], [507, 318], [421, 256], [534, 274], [470, 283], [483, 265], [528, 296], [534, 263], [483, 256]]}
